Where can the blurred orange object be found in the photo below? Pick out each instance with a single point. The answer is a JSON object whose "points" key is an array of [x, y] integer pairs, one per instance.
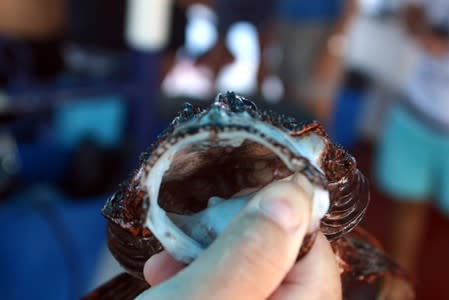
{"points": [[31, 19]]}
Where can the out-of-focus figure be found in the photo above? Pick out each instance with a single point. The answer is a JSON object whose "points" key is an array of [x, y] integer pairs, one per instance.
{"points": [[413, 160], [312, 38], [178, 22], [257, 12]]}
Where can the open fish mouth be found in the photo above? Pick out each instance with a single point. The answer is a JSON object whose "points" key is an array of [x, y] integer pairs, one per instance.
{"points": [[206, 166], [210, 165]]}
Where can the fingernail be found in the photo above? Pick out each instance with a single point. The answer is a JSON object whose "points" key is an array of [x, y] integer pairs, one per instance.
{"points": [[281, 210]]}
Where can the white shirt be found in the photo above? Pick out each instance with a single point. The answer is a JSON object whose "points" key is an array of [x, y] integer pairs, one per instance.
{"points": [[428, 84]]}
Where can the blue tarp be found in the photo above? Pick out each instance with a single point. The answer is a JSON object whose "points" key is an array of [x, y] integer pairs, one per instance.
{"points": [[50, 245]]}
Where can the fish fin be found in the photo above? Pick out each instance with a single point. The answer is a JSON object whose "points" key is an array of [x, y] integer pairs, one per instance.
{"points": [[122, 286]]}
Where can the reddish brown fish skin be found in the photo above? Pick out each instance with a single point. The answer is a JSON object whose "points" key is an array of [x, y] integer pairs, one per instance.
{"points": [[364, 265], [131, 251], [121, 287]]}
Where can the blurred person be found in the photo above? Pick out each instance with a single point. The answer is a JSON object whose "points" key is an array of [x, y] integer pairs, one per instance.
{"points": [[177, 38], [413, 161], [95, 46], [177, 34], [311, 35], [259, 13], [263, 266]]}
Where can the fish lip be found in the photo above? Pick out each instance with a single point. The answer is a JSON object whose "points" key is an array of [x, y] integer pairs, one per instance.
{"points": [[219, 119]]}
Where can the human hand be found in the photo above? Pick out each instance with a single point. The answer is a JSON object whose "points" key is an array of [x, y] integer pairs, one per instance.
{"points": [[255, 258]]}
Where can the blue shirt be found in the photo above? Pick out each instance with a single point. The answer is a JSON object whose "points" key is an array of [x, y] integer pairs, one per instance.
{"points": [[310, 10]]}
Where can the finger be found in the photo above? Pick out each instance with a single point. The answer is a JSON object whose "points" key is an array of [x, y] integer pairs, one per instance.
{"points": [[255, 252], [160, 267], [316, 276]]}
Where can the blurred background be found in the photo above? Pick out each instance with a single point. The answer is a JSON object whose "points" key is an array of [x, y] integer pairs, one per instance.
{"points": [[86, 85]]}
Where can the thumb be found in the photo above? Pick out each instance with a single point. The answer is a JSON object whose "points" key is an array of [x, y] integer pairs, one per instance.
{"points": [[251, 258]]}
